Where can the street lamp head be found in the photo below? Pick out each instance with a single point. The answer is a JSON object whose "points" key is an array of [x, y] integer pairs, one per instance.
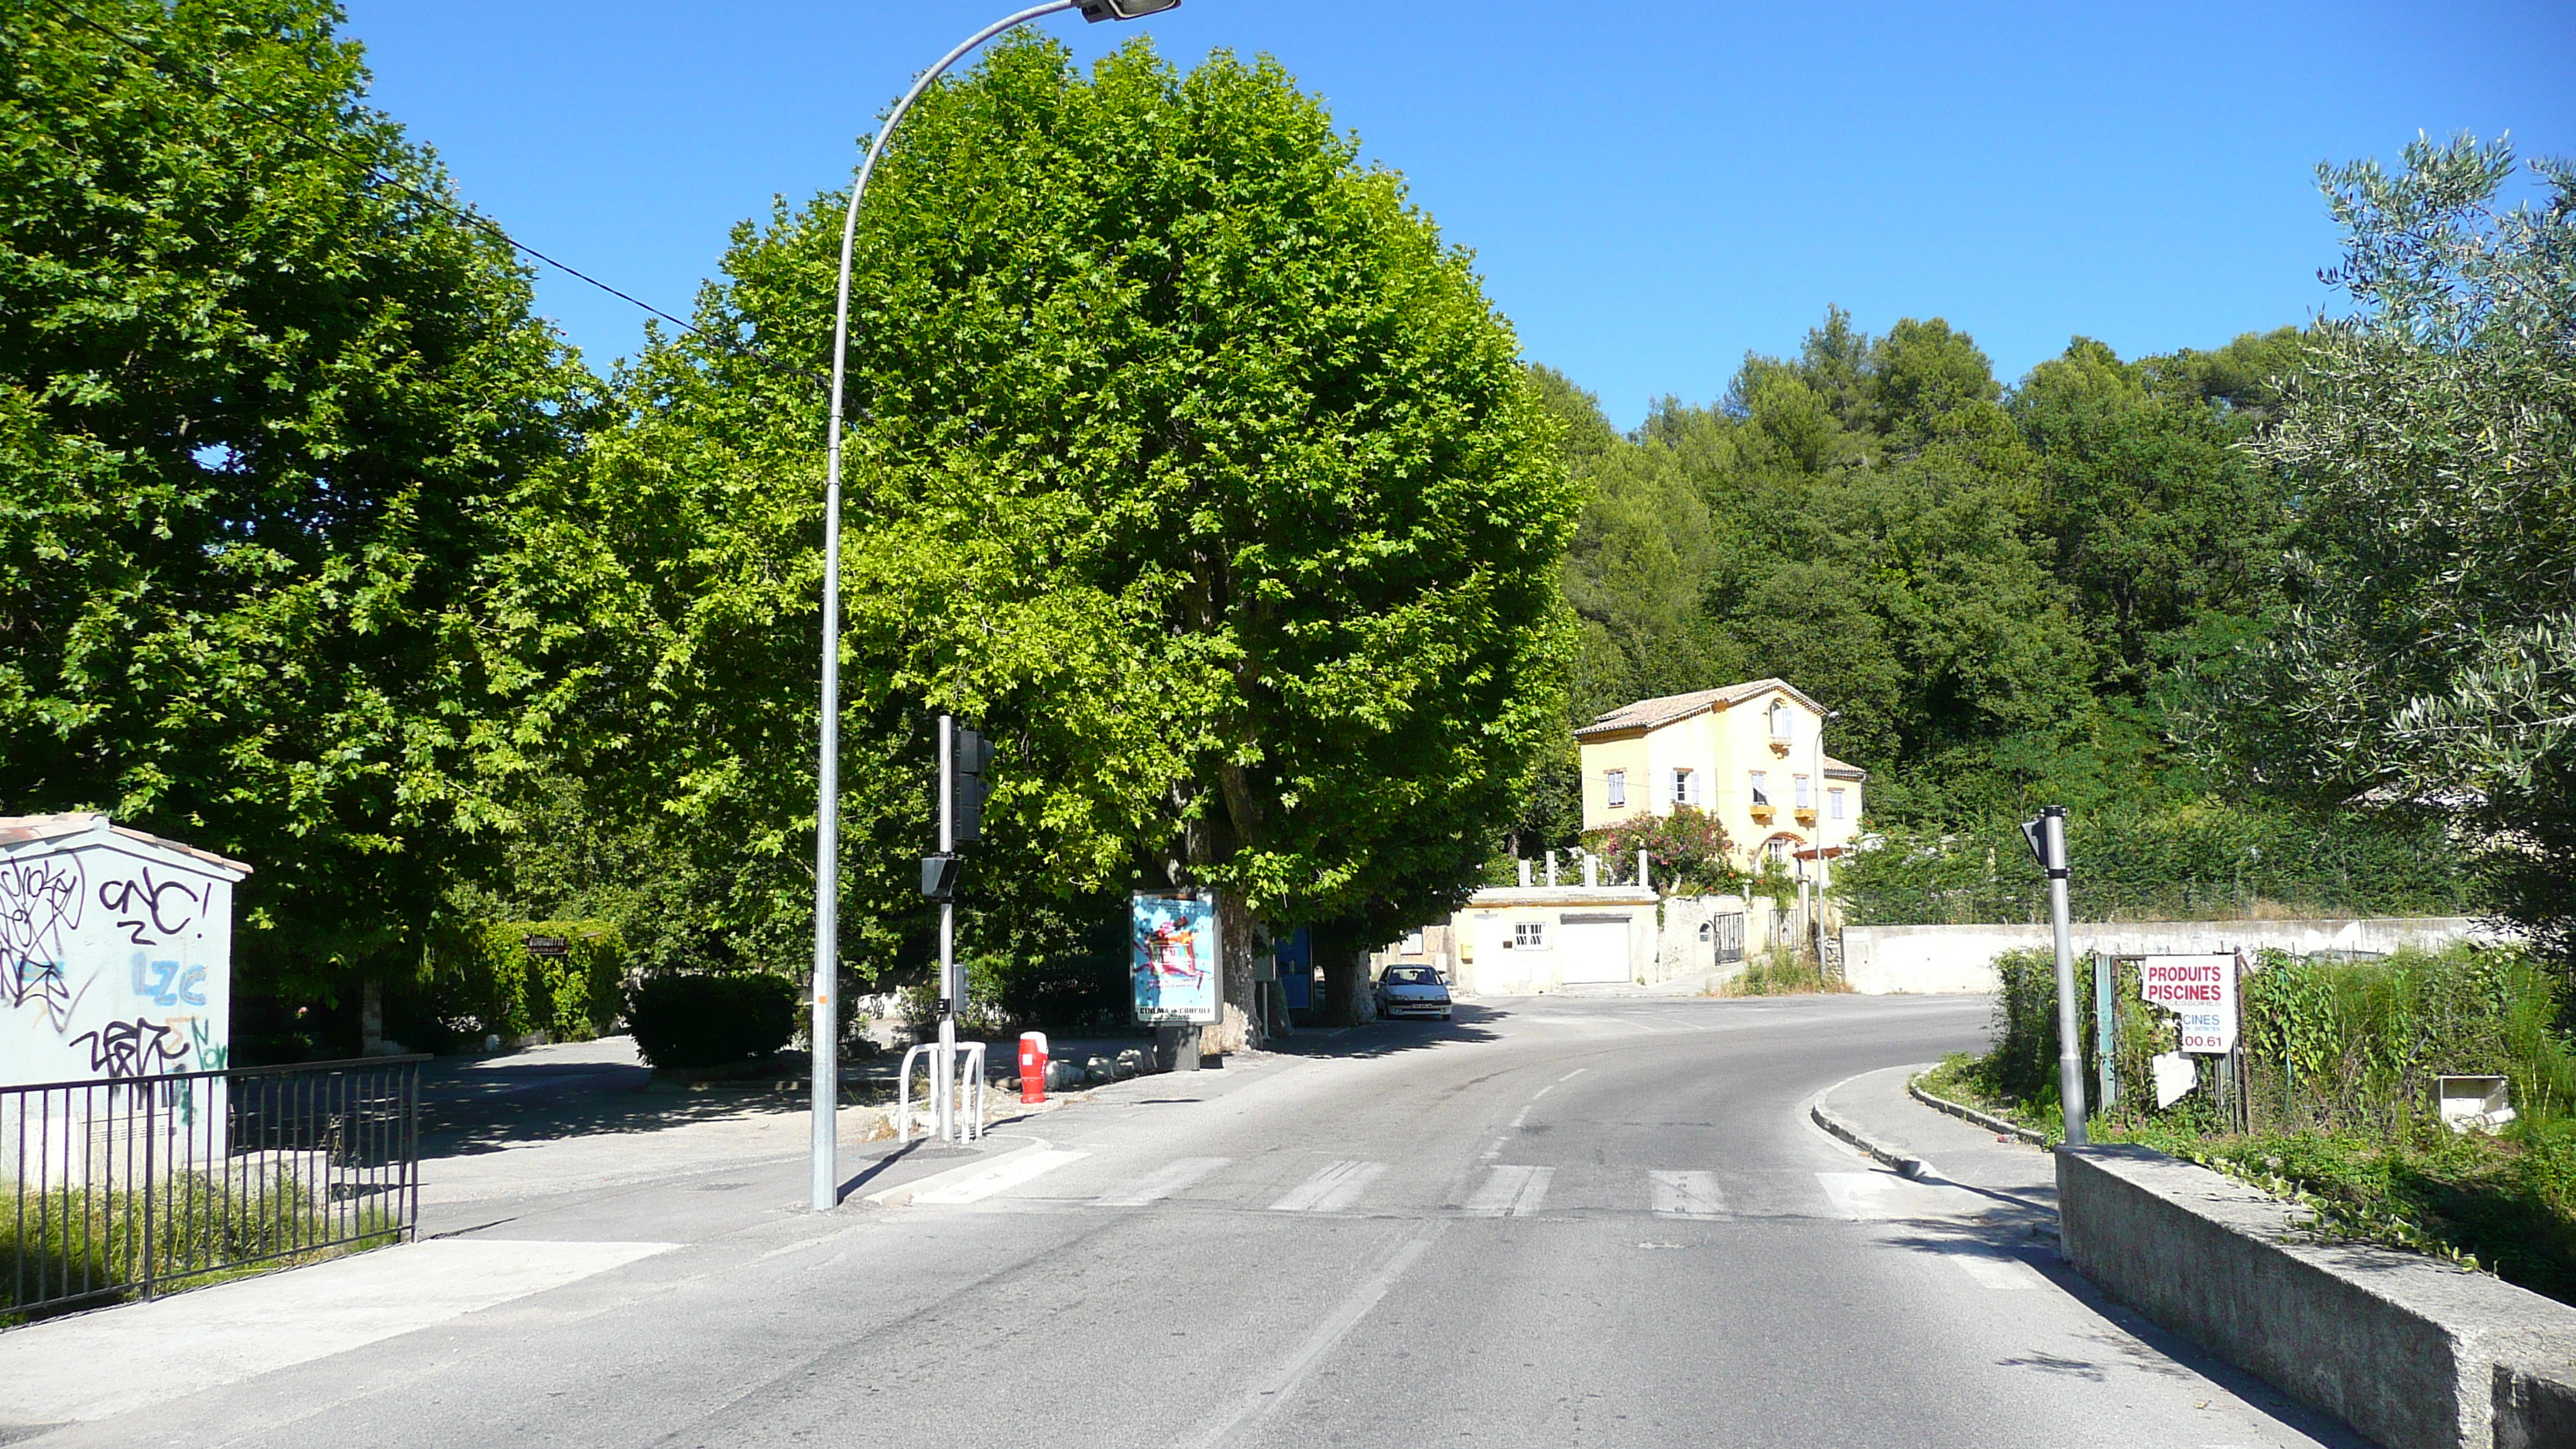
{"points": [[1096, 11]]}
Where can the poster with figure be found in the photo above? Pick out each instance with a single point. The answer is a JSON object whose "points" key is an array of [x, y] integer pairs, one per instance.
{"points": [[115, 952], [1175, 969]]}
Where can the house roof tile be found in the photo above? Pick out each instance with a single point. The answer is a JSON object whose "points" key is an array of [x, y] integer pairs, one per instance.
{"points": [[1647, 714]]}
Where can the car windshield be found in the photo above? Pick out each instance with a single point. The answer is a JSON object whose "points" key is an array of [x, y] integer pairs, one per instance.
{"points": [[1411, 976]]}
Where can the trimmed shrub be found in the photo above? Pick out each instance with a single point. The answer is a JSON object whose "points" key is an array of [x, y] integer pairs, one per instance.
{"points": [[693, 1021], [487, 973]]}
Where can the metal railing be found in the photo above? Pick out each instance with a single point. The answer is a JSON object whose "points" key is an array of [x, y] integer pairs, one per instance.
{"points": [[132, 1185]]}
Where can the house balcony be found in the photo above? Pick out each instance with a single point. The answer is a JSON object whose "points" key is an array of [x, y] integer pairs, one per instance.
{"points": [[1806, 814], [1761, 811]]}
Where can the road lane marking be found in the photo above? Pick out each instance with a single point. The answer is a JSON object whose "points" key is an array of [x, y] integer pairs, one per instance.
{"points": [[1997, 1269], [1334, 1188], [1000, 1177], [1266, 1396], [1570, 1076], [1884, 1197], [1686, 1195], [1160, 1185], [1511, 1192]]}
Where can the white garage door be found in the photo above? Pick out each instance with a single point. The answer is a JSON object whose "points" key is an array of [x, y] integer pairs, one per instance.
{"points": [[1593, 949]]}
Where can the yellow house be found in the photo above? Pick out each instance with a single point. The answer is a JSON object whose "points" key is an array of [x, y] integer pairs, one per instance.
{"points": [[1751, 754]]}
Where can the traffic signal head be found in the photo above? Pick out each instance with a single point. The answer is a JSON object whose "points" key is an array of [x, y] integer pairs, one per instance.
{"points": [[939, 877], [971, 759]]}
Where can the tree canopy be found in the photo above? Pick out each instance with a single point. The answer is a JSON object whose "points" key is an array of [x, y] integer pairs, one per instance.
{"points": [[1185, 458], [2430, 441], [272, 412]]}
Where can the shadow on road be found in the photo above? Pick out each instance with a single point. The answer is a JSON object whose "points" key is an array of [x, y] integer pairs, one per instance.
{"points": [[1386, 1037]]}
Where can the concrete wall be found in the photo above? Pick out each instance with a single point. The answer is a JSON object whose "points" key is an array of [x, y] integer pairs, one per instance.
{"points": [[1885, 960], [2411, 1352], [1489, 965]]}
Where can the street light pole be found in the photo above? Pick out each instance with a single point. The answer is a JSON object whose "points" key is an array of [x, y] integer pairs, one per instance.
{"points": [[827, 808]]}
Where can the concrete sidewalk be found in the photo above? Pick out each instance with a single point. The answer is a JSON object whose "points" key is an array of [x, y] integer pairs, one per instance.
{"points": [[1876, 1113]]}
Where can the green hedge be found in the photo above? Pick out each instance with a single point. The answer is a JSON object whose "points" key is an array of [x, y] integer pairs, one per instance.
{"points": [[2326, 1045], [487, 973], [2201, 862], [692, 1021]]}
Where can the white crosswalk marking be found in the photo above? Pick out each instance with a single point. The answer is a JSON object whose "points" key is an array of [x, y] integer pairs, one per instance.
{"points": [[1994, 1268], [1685, 1195], [999, 1176], [1511, 1192], [1157, 1186], [1336, 1187], [1885, 1197]]}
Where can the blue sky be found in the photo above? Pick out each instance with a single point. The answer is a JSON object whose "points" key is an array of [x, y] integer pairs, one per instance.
{"points": [[1651, 189]]}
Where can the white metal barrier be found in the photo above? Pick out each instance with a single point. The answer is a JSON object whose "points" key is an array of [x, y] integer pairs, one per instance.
{"points": [[963, 1097]]}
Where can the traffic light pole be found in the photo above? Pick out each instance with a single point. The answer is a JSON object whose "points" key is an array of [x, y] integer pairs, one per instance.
{"points": [[943, 1063], [2070, 1048]]}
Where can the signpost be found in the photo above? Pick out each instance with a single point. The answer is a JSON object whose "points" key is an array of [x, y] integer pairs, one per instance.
{"points": [[2047, 837], [2199, 989], [1176, 970]]}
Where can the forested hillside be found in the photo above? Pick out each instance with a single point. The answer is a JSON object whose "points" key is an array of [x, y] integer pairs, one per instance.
{"points": [[2014, 595]]}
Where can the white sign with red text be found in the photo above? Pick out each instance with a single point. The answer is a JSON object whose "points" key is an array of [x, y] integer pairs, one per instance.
{"points": [[2199, 989]]}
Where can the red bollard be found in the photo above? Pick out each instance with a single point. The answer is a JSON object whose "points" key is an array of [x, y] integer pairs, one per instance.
{"points": [[1033, 1059]]}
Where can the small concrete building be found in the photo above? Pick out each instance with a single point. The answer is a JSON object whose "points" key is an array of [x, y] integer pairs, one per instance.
{"points": [[115, 952], [1522, 940]]}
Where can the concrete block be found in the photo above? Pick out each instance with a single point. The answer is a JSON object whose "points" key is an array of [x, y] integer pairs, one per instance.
{"points": [[2404, 1348], [2535, 1405]]}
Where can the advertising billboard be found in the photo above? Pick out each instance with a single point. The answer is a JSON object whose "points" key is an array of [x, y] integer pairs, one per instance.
{"points": [[1175, 968], [2201, 990]]}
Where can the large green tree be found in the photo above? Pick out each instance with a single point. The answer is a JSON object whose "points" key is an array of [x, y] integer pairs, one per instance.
{"points": [[272, 417], [1185, 458], [2431, 442]]}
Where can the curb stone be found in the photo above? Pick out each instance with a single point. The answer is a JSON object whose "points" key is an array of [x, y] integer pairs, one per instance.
{"points": [[1905, 1164], [1971, 1114]]}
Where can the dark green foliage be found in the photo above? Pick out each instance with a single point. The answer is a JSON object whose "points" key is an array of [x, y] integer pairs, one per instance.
{"points": [[484, 973], [2195, 862], [690, 1021], [271, 428]]}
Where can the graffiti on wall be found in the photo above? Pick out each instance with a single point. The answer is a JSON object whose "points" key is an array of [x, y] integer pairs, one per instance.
{"points": [[111, 966], [40, 903]]}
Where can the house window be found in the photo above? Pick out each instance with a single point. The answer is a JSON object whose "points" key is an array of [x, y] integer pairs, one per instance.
{"points": [[1529, 935], [1616, 782], [1685, 788], [1413, 943], [1780, 725], [1780, 850], [1806, 793], [1834, 803], [1761, 787]]}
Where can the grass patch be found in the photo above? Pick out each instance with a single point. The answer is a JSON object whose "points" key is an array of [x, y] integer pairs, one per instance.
{"points": [[2336, 1114], [1780, 973], [58, 1240]]}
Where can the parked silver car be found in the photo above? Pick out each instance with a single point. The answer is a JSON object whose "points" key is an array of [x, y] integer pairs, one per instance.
{"points": [[1412, 991]]}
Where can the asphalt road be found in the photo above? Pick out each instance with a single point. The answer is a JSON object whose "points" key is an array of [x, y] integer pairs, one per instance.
{"points": [[1554, 1222]]}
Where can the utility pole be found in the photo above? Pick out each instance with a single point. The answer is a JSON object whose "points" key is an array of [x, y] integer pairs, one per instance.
{"points": [[2047, 837], [964, 759], [825, 1155]]}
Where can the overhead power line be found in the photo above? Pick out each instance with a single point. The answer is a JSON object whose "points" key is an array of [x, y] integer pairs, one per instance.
{"points": [[213, 87]]}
